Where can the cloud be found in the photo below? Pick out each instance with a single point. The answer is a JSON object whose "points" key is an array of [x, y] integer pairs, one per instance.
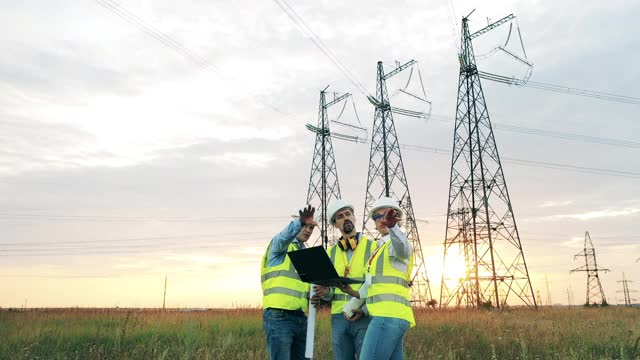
{"points": [[62, 71], [548, 204], [31, 145], [201, 260], [252, 160], [597, 214], [575, 242]]}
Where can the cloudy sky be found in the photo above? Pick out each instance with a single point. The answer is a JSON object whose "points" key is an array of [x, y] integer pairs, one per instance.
{"points": [[125, 158]]}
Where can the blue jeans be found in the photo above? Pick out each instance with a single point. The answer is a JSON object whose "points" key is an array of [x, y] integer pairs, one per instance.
{"points": [[286, 333], [347, 336], [383, 340]]}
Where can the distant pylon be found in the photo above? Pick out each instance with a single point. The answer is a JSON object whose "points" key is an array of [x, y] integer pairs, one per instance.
{"points": [[546, 280], [323, 182], [595, 294], [480, 222], [387, 178], [572, 297], [628, 301], [164, 297]]}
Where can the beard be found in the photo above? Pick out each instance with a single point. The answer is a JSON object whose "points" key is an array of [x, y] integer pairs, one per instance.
{"points": [[348, 226]]}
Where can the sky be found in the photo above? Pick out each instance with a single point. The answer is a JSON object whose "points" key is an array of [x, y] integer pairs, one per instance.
{"points": [[124, 160]]}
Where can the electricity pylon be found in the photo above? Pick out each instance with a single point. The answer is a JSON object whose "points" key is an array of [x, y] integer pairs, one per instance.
{"points": [[481, 226], [323, 182], [595, 294], [626, 292], [546, 280], [386, 177]]}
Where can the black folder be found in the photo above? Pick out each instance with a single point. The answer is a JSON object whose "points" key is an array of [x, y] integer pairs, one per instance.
{"points": [[314, 266]]}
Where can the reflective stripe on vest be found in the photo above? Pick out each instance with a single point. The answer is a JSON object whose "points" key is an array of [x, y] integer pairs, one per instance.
{"points": [[285, 273], [333, 254], [387, 297], [281, 285], [379, 279], [285, 291], [359, 260], [367, 253], [388, 294]]}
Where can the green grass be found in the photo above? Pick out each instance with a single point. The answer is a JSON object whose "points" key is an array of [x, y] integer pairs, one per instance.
{"points": [[550, 333]]}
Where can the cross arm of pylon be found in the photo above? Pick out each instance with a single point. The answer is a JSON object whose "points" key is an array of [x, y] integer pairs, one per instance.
{"points": [[338, 99], [399, 69], [580, 254], [581, 268], [492, 26], [317, 130]]}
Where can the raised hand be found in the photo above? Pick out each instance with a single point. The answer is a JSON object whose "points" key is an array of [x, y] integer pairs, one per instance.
{"points": [[391, 218], [306, 216]]}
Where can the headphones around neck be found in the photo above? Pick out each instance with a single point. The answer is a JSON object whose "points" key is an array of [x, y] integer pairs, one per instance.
{"points": [[351, 243]]}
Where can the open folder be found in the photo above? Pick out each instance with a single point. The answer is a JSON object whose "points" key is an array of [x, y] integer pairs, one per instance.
{"points": [[314, 266]]}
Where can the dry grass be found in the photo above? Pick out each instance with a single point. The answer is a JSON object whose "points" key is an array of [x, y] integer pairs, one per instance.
{"points": [[552, 333]]}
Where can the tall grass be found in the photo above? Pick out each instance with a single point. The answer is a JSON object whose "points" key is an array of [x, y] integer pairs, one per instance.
{"points": [[550, 333]]}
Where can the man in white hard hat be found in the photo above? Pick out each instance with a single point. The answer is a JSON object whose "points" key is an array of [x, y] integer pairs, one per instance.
{"points": [[349, 256], [386, 288], [285, 297]]}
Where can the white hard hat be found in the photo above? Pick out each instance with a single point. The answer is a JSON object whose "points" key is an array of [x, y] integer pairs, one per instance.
{"points": [[336, 206], [384, 202], [296, 213]]}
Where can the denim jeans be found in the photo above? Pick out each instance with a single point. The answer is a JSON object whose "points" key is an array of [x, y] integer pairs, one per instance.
{"points": [[286, 333], [347, 336], [383, 340]]}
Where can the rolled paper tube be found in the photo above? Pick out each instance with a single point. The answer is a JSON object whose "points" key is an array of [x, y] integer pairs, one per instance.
{"points": [[311, 327], [354, 303]]}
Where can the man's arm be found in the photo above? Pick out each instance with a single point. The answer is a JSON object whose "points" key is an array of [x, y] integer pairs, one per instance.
{"points": [[401, 246], [280, 243]]}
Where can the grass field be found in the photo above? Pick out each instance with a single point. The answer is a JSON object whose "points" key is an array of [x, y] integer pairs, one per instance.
{"points": [[548, 333]]}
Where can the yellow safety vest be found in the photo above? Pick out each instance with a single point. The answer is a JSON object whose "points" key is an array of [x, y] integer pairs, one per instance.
{"points": [[388, 294], [357, 267], [281, 286]]}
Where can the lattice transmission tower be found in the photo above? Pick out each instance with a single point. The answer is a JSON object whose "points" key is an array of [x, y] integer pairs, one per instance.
{"points": [[481, 227], [323, 182], [595, 294], [628, 300], [387, 177]]}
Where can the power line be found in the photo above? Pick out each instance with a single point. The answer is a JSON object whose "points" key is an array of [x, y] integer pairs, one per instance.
{"points": [[550, 165], [451, 16], [60, 252], [118, 249], [80, 219], [553, 134], [559, 88], [306, 30], [150, 247], [173, 44], [134, 239], [303, 27]]}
